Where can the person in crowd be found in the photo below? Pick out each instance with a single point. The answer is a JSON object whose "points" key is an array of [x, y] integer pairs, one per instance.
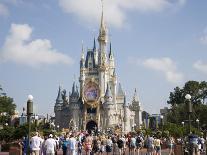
{"points": [[72, 143], [43, 148], [114, 141], [24, 145], [88, 144], [64, 145], [171, 143], [150, 145], [50, 145], [109, 144], [139, 143], [132, 144], [103, 144], [120, 145], [95, 148], [80, 146], [193, 144], [35, 144], [201, 144], [157, 145]]}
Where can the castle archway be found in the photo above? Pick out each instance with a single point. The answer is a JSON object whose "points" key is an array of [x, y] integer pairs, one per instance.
{"points": [[91, 126]]}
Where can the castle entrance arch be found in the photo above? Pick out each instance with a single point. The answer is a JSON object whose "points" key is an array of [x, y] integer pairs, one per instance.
{"points": [[91, 126]]}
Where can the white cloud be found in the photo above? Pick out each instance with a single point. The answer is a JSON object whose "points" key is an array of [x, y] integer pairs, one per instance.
{"points": [[20, 48], [201, 66], [3, 10], [115, 10], [164, 65]]}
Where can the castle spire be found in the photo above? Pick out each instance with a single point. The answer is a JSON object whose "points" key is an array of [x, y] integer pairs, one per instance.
{"points": [[82, 52], [59, 97], [108, 94], [110, 52], [102, 39], [102, 30], [94, 45], [135, 97]]}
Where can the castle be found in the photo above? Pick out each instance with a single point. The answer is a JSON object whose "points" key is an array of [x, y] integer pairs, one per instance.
{"points": [[99, 103]]}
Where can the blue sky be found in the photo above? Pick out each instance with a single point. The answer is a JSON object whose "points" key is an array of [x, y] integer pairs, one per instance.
{"points": [[158, 45]]}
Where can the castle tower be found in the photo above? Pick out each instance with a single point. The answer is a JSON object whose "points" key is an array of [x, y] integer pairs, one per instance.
{"points": [[137, 109], [109, 108], [102, 58]]}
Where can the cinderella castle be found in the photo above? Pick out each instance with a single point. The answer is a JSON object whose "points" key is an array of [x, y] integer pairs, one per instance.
{"points": [[99, 102]]}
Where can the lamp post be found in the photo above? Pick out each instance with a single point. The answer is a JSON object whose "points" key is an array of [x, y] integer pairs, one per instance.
{"points": [[183, 123], [58, 128], [29, 114], [188, 97], [161, 117], [197, 121]]}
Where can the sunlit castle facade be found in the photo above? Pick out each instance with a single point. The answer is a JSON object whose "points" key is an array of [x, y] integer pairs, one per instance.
{"points": [[98, 102]]}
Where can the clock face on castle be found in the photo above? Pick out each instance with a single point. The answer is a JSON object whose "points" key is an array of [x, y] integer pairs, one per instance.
{"points": [[91, 92]]}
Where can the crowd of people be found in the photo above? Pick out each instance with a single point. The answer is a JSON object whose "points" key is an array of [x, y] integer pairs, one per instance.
{"points": [[79, 143]]}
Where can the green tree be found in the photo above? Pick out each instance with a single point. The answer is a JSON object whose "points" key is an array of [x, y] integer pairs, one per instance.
{"points": [[179, 109]]}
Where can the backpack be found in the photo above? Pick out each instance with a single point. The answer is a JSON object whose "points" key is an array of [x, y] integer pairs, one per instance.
{"points": [[64, 145], [120, 143], [138, 140]]}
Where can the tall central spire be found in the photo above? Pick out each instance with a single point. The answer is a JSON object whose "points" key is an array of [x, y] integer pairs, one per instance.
{"points": [[102, 30]]}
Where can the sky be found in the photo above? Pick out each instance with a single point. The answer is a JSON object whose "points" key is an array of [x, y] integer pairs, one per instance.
{"points": [[158, 45]]}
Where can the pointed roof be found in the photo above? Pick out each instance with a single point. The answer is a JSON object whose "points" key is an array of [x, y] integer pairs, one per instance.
{"points": [[90, 56], [59, 96], [114, 72], [82, 52], [125, 102], [108, 91], [110, 52], [75, 92], [120, 90], [94, 45], [73, 88], [135, 97], [102, 29]]}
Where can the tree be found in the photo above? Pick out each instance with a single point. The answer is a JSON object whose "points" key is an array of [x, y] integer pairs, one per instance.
{"points": [[198, 92], [179, 109], [6, 105]]}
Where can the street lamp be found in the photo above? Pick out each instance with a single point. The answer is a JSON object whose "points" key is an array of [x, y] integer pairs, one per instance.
{"points": [[161, 117], [183, 123], [58, 128], [29, 114], [188, 97], [197, 121]]}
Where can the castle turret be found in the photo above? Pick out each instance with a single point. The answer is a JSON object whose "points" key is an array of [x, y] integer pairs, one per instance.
{"points": [[82, 61], [137, 109], [74, 96], [109, 107], [111, 60], [95, 52], [59, 99], [82, 71], [108, 96], [102, 58]]}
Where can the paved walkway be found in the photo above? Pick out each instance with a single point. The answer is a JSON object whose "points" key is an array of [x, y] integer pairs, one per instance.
{"points": [[142, 152]]}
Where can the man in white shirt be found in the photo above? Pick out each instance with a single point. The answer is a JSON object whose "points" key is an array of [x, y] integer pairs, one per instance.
{"points": [[35, 144], [72, 145], [50, 145]]}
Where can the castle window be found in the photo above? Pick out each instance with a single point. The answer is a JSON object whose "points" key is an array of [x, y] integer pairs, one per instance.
{"points": [[91, 110]]}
